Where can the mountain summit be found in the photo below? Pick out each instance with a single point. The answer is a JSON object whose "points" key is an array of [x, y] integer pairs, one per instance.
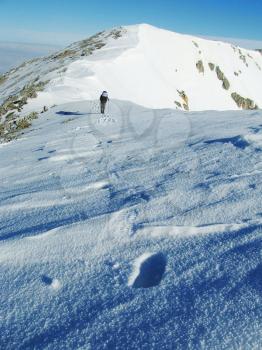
{"points": [[146, 65]]}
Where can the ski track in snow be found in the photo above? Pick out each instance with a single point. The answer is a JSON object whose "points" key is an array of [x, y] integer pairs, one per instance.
{"points": [[121, 232]]}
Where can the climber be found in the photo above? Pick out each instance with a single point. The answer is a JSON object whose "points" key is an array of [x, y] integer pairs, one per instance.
{"points": [[103, 100]]}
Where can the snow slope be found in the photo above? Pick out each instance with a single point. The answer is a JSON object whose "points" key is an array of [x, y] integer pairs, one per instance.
{"points": [[137, 230], [145, 65], [140, 229]]}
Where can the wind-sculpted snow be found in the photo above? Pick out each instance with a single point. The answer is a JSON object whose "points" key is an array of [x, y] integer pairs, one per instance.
{"points": [[140, 229]]}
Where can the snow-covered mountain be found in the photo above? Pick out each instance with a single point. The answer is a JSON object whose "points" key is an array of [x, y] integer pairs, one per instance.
{"points": [[140, 228], [149, 66]]}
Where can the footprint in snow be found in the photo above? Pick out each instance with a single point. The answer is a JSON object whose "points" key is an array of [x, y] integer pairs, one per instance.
{"points": [[148, 270], [42, 158], [106, 120], [39, 149], [53, 283]]}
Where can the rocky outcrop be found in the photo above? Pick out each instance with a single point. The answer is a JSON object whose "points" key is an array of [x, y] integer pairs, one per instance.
{"points": [[89, 42], [64, 54], [200, 66], [196, 44], [97, 41], [244, 103], [226, 84], [2, 79], [221, 76], [16, 102], [211, 66], [116, 33], [184, 97], [86, 52], [13, 125], [242, 57]]}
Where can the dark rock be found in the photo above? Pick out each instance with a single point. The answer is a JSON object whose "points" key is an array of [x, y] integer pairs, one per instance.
{"points": [[221, 76], [211, 66], [200, 66], [244, 103]]}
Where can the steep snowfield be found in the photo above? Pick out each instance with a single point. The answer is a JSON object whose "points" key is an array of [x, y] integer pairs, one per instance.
{"points": [[137, 230], [148, 66]]}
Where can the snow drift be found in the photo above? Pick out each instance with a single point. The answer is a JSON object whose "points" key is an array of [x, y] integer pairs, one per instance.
{"points": [[138, 230]]}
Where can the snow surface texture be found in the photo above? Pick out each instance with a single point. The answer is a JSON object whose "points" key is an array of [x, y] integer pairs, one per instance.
{"points": [[148, 66], [140, 229]]}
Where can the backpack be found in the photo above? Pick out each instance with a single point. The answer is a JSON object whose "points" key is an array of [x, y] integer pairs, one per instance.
{"points": [[104, 97]]}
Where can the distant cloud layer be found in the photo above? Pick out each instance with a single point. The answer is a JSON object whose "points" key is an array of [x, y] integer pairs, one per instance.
{"points": [[245, 43], [13, 54], [41, 37]]}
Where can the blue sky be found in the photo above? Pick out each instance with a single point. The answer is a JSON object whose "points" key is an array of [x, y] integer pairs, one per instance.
{"points": [[60, 22]]}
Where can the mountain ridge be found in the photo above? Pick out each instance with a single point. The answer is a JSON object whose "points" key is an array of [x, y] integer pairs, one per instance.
{"points": [[143, 64]]}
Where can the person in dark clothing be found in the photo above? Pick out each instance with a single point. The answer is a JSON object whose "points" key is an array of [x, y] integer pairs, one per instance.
{"points": [[103, 100]]}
